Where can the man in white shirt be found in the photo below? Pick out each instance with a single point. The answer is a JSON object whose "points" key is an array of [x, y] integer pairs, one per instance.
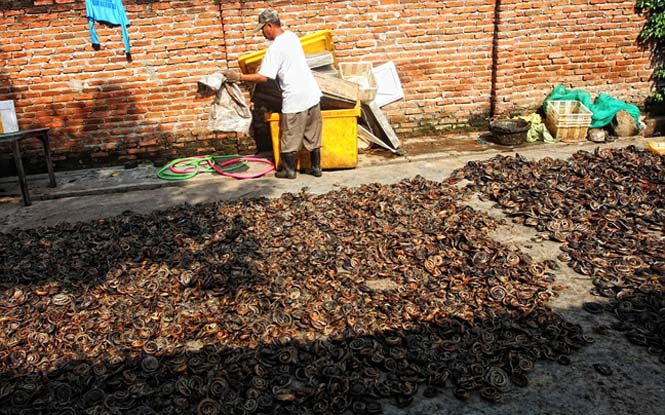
{"points": [[300, 122]]}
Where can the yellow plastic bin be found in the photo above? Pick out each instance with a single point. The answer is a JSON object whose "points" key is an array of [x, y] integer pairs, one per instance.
{"points": [[339, 140], [312, 43]]}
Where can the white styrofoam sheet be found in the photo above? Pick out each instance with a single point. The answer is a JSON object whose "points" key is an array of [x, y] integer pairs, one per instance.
{"points": [[8, 117], [388, 85]]}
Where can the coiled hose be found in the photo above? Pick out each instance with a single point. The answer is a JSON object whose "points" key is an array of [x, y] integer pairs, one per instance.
{"points": [[189, 167]]}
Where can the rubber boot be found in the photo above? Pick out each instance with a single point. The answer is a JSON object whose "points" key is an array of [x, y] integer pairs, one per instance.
{"points": [[315, 158], [288, 170]]}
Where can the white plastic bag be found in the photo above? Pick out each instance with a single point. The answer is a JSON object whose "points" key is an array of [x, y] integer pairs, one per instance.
{"points": [[230, 112]]}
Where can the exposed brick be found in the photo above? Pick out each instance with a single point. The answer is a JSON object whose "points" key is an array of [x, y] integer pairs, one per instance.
{"points": [[100, 104]]}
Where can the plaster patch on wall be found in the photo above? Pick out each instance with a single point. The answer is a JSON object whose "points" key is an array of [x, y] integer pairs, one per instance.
{"points": [[76, 85], [152, 73]]}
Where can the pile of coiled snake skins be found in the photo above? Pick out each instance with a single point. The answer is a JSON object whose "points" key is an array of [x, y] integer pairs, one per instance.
{"points": [[310, 304], [607, 208]]}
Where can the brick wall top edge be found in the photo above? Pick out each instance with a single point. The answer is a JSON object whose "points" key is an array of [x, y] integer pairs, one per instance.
{"points": [[39, 6]]}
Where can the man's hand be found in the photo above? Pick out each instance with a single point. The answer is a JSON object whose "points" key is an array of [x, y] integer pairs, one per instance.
{"points": [[232, 76]]}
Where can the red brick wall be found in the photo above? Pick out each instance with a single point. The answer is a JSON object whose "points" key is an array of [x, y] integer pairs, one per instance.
{"points": [[588, 44], [104, 109], [101, 107]]}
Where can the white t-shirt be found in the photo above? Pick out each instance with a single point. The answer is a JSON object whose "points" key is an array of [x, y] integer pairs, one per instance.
{"points": [[285, 61]]}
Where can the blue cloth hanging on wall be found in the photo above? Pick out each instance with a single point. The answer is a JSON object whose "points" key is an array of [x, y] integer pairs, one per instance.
{"points": [[108, 11]]}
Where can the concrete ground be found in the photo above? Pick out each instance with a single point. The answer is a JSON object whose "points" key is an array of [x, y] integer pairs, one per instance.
{"points": [[636, 384], [83, 195]]}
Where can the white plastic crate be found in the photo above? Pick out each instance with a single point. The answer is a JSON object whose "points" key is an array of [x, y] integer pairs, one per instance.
{"points": [[361, 74], [568, 121]]}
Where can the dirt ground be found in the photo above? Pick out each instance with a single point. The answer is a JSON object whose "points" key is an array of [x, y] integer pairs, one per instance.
{"points": [[636, 384]]}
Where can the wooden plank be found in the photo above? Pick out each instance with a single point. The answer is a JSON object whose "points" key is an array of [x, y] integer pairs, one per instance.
{"points": [[269, 96], [319, 59], [366, 135], [379, 125], [328, 70], [337, 87]]}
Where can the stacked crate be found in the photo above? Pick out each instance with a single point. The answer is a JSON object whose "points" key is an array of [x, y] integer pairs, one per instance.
{"points": [[568, 121]]}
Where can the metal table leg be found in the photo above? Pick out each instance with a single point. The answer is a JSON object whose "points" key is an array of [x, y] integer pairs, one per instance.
{"points": [[21, 174], [49, 162]]}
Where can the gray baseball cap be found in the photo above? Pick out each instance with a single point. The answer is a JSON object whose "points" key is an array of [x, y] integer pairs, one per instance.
{"points": [[266, 16]]}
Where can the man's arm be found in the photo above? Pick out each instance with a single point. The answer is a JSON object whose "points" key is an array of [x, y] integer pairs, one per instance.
{"points": [[235, 76], [253, 77]]}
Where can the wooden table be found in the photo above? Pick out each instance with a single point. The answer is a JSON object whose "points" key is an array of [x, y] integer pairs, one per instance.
{"points": [[14, 138]]}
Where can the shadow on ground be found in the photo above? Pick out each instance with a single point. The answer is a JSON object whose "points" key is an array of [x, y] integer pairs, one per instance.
{"points": [[361, 300]]}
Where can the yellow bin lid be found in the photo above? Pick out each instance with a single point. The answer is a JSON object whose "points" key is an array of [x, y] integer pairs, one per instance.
{"points": [[320, 41]]}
